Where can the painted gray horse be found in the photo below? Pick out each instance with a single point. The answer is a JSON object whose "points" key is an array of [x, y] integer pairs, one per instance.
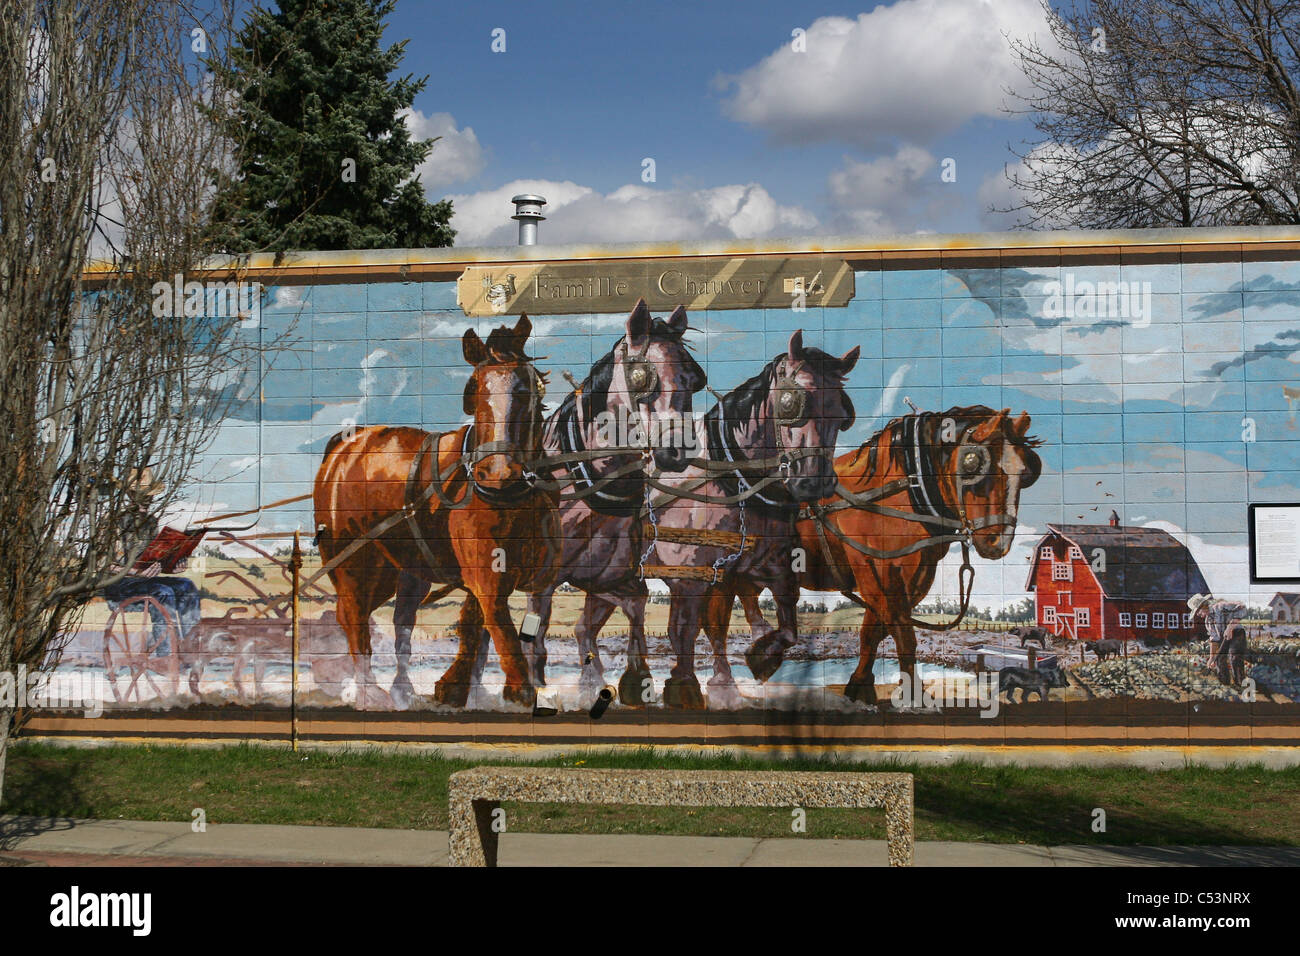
{"points": [[766, 447], [639, 395]]}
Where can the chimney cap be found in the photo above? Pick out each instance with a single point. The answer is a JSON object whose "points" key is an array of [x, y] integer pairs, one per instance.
{"points": [[528, 206], [528, 213]]}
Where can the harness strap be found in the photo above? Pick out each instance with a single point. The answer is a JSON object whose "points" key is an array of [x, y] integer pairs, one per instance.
{"points": [[412, 496]]}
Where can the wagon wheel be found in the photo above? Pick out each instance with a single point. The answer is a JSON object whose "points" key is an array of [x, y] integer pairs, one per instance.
{"points": [[130, 641]]}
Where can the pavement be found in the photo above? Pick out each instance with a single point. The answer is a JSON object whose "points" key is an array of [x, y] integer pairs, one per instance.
{"points": [[66, 842]]}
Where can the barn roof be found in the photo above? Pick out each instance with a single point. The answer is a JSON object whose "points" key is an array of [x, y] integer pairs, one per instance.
{"points": [[1141, 563], [1290, 597]]}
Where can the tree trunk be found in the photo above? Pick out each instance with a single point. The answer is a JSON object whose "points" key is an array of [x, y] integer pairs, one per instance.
{"points": [[5, 718]]}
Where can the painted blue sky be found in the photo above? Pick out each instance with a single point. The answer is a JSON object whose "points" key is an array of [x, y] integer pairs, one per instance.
{"points": [[1142, 416], [749, 137]]}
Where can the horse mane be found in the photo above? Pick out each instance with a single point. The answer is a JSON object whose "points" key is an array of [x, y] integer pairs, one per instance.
{"points": [[505, 346], [925, 419]]}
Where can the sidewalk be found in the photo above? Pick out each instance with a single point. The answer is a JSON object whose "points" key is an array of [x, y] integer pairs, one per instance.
{"points": [[141, 843]]}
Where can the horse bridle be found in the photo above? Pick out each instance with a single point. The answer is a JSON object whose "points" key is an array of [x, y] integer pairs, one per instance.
{"points": [[640, 374], [473, 453]]}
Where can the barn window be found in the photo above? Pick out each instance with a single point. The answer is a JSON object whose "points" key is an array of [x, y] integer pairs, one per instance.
{"points": [[1187, 620], [1141, 620], [1082, 617], [1125, 619], [1062, 571], [1076, 554], [1049, 615], [1173, 622], [1158, 619], [1045, 552]]}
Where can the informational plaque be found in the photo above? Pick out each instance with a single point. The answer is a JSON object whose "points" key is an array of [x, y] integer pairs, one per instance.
{"points": [[1274, 542], [722, 282]]}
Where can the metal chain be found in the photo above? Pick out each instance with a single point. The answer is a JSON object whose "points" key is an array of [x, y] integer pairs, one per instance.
{"points": [[727, 559], [654, 523]]}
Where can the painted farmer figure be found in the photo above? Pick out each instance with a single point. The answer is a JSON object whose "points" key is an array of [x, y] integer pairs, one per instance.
{"points": [[1227, 637], [177, 595]]}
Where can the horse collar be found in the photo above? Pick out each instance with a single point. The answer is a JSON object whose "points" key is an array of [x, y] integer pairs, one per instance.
{"points": [[922, 482]]}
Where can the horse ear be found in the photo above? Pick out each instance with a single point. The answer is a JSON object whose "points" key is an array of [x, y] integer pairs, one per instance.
{"points": [[639, 321], [523, 329], [795, 350], [472, 347], [849, 359], [1021, 425], [677, 321], [990, 427]]}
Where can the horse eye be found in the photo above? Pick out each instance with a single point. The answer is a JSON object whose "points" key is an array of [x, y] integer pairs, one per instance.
{"points": [[969, 462], [637, 377], [787, 401]]}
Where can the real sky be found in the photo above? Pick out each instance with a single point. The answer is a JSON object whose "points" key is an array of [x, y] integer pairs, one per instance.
{"points": [[750, 137]]}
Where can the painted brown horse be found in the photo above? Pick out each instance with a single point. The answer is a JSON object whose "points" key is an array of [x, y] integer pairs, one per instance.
{"points": [[963, 467], [475, 520]]}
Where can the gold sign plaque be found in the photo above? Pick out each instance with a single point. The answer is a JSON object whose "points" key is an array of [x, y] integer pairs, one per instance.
{"points": [[720, 282]]}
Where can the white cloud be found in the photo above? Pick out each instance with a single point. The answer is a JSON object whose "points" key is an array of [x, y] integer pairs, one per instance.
{"points": [[914, 69], [891, 193], [632, 213], [456, 157]]}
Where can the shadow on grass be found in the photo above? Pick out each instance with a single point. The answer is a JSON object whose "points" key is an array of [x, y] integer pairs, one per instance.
{"points": [[40, 795]]}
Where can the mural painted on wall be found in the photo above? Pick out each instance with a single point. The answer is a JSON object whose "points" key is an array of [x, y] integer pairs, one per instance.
{"points": [[1020, 485]]}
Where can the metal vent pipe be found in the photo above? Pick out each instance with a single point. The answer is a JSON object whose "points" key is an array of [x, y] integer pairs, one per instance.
{"points": [[528, 211]]}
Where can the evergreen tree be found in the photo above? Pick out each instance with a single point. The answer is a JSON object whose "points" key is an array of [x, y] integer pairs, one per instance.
{"points": [[324, 160]]}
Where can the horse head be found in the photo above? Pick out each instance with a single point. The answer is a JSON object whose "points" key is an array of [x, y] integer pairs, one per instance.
{"points": [[504, 395], [808, 408], [986, 459], [652, 382]]}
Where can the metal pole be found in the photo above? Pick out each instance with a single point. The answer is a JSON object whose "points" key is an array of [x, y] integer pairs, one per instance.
{"points": [[295, 565]]}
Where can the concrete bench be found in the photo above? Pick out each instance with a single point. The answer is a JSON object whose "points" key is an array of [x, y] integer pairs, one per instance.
{"points": [[475, 794]]}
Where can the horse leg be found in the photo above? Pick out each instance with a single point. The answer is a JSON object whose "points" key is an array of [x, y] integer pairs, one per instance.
{"points": [[540, 604], [682, 688], [862, 684], [636, 686], [766, 654], [723, 694], [358, 595], [748, 593], [596, 611], [452, 688], [494, 601], [905, 644], [410, 592]]}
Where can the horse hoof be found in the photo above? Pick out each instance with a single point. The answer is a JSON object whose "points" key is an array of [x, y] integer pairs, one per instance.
{"points": [[635, 688], [764, 658], [724, 695], [519, 694], [402, 694], [683, 693], [451, 695], [864, 692]]}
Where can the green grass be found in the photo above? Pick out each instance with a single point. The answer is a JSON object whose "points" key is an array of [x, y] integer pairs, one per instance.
{"points": [[1244, 805]]}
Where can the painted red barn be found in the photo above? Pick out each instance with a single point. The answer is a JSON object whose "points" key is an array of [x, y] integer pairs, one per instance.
{"points": [[1113, 581]]}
